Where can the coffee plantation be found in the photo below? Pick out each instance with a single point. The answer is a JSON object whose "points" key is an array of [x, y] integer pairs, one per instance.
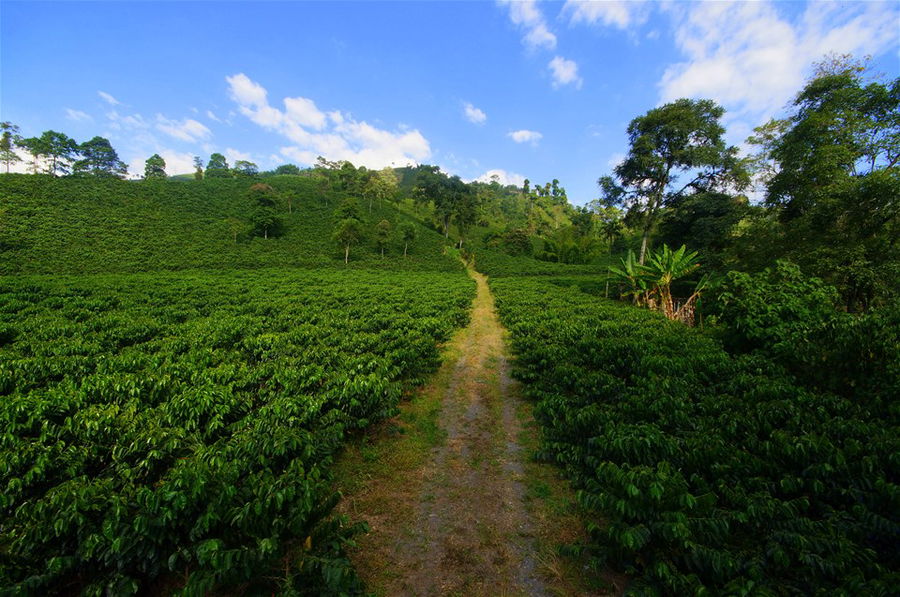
{"points": [[184, 424]]}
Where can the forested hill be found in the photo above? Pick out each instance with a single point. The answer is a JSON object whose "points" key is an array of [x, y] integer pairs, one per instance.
{"points": [[89, 225]]}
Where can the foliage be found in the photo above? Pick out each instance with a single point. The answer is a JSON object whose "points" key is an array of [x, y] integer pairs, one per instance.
{"points": [[706, 222], [699, 472], [91, 225], [348, 232], [245, 168], [832, 177], [772, 310], [8, 141], [182, 425], [407, 232], [287, 169], [790, 318], [263, 200], [98, 158], [155, 167], [382, 235], [650, 285], [217, 167], [682, 137]]}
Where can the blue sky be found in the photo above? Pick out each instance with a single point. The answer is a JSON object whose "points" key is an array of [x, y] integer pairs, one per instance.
{"points": [[540, 90]]}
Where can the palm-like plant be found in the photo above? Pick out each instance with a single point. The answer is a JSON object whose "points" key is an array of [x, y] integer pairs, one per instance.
{"points": [[636, 276], [651, 284]]}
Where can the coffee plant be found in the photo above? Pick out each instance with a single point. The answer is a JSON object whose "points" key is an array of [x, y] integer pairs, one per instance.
{"points": [[175, 430], [702, 472]]}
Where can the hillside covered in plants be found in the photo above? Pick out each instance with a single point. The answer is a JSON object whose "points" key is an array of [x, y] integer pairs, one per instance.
{"points": [[361, 372]]}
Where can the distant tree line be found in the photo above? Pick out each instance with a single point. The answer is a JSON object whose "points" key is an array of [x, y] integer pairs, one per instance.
{"points": [[58, 154]]}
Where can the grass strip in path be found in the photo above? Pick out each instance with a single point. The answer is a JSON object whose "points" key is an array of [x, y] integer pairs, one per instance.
{"points": [[454, 502]]}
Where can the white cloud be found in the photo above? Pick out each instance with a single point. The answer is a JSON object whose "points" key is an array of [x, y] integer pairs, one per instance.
{"points": [[304, 112], [615, 13], [502, 177], [334, 135], [526, 15], [186, 130], [77, 115], [108, 98], [176, 163], [473, 114], [212, 116], [233, 155], [564, 72], [526, 136], [752, 60], [128, 121]]}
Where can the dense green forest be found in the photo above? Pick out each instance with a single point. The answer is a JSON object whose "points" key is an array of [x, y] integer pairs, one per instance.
{"points": [[712, 347]]}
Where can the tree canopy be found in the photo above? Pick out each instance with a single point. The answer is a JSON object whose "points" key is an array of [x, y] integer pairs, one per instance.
{"points": [[675, 149]]}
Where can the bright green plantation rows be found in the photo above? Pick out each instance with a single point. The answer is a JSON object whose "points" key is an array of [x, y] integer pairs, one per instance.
{"points": [[173, 430], [703, 473], [88, 225]]}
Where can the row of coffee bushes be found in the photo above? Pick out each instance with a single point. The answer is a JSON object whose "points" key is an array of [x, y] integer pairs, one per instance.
{"points": [[701, 472]]}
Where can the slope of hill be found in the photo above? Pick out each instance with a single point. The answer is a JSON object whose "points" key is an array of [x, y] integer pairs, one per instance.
{"points": [[88, 225]]}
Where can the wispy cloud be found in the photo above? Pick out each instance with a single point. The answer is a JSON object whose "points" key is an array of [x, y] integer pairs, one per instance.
{"points": [[186, 130], [526, 136], [78, 115], [332, 134], [108, 98], [564, 72], [621, 14], [473, 114], [527, 16], [750, 58]]}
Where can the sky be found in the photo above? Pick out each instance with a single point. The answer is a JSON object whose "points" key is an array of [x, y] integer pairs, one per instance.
{"points": [[536, 90]]}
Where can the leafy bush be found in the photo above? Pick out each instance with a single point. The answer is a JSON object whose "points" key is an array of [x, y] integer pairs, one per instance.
{"points": [[701, 472], [772, 310], [183, 424], [790, 318]]}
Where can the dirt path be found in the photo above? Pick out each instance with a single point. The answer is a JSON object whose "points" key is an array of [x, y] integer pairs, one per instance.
{"points": [[453, 520]]}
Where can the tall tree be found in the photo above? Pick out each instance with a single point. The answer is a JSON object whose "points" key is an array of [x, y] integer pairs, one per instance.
{"points": [[407, 232], [463, 205], [835, 179], [287, 169], [59, 149], [246, 169], [382, 235], [263, 199], [198, 168], [348, 232], [155, 167], [217, 167], [38, 150], [380, 185], [683, 138], [98, 158], [8, 141]]}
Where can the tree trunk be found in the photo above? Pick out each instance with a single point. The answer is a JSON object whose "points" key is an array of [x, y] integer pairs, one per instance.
{"points": [[644, 244], [347, 254], [405, 246], [382, 252], [266, 233]]}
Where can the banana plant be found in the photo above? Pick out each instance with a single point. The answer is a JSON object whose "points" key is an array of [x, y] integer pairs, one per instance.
{"points": [[636, 276], [651, 284]]}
